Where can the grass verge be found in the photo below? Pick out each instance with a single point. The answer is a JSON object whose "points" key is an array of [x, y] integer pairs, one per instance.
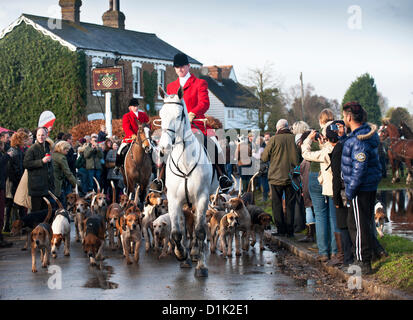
{"points": [[396, 270]]}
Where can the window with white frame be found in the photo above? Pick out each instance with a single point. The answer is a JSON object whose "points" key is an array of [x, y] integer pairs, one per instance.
{"points": [[137, 79], [97, 62], [161, 77], [231, 114], [249, 115]]}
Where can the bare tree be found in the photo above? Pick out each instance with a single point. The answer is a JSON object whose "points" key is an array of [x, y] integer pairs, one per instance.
{"points": [[264, 83]]}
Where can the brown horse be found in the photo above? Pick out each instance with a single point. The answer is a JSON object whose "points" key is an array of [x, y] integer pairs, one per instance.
{"points": [[399, 150], [137, 169]]}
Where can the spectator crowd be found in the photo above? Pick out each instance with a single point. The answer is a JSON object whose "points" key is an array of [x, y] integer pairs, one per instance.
{"points": [[323, 181]]}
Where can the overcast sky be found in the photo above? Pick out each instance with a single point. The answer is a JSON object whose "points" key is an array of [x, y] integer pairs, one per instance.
{"points": [[331, 42]]}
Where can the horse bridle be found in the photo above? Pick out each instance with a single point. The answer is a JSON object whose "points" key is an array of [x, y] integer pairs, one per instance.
{"points": [[181, 174]]}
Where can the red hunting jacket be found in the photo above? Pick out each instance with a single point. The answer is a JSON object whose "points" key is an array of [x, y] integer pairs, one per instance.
{"points": [[196, 99], [130, 123]]}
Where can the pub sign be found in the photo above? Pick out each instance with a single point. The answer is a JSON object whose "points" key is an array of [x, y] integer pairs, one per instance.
{"points": [[107, 78]]}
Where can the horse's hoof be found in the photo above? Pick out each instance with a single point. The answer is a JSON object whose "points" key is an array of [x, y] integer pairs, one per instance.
{"points": [[187, 264], [201, 272], [179, 256]]}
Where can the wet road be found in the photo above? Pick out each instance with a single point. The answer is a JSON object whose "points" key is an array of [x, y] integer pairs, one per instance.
{"points": [[254, 276]]}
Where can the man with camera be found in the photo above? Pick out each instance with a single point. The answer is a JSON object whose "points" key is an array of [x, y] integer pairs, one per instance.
{"points": [[93, 156]]}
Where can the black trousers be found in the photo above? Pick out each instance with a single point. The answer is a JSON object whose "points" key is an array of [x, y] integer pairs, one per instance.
{"points": [[359, 223], [38, 203], [283, 221]]}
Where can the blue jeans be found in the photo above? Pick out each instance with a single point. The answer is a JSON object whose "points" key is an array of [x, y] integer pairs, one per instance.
{"points": [[90, 174], [228, 167], [263, 181], [309, 216], [325, 217], [83, 176]]}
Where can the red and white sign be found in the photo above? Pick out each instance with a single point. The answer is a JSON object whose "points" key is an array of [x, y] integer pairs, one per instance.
{"points": [[47, 119]]}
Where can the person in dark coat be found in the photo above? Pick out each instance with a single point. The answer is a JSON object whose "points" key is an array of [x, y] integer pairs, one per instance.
{"points": [[344, 240], [14, 174], [362, 173], [4, 158], [38, 162]]}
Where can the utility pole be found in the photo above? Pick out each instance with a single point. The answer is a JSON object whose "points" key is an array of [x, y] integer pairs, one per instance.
{"points": [[302, 96]]}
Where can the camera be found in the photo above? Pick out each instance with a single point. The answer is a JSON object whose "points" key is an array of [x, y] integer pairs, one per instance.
{"points": [[317, 135]]}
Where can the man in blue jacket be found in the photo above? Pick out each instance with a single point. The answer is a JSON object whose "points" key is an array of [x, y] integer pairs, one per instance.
{"points": [[361, 171]]}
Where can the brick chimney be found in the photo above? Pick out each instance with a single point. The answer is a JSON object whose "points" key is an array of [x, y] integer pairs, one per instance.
{"points": [[71, 10], [113, 17], [216, 73]]}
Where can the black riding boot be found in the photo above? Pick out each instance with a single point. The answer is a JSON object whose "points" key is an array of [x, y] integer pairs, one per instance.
{"points": [[120, 159]]}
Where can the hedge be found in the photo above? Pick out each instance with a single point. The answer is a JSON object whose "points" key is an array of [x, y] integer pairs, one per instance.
{"points": [[39, 74]]}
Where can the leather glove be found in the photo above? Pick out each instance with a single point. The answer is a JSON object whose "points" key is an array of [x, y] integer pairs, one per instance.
{"points": [[134, 136], [191, 116]]}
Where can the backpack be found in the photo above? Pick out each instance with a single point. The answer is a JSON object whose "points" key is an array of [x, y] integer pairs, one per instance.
{"points": [[295, 177]]}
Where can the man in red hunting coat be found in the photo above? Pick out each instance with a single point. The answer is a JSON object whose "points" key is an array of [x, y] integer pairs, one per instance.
{"points": [[130, 123], [197, 104]]}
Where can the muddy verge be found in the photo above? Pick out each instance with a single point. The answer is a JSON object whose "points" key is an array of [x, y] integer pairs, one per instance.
{"points": [[322, 285]]}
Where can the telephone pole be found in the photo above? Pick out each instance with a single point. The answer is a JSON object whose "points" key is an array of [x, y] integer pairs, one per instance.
{"points": [[302, 96]]}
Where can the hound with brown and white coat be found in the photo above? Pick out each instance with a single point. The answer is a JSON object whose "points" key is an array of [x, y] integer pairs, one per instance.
{"points": [[131, 235], [150, 212], [94, 239], [244, 227], [113, 214], [82, 212], [214, 225], [40, 239], [99, 204], [162, 232], [227, 229], [380, 218], [27, 224], [61, 229], [260, 220]]}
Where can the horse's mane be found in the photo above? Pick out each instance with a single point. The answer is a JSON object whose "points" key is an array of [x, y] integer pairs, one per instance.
{"points": [[407, 132]]}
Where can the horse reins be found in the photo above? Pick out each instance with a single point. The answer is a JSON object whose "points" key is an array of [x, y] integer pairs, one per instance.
{"points": [[182, 174]]}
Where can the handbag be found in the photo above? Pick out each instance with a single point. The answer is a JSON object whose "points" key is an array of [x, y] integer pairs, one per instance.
{"points": [[22, 197]]}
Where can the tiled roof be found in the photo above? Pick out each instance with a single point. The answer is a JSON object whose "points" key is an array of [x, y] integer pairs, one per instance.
{"points": [[95, 37], [231, 93]]}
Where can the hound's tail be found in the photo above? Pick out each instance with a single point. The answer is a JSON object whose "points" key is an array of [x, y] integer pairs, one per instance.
{"points": [[113, 191], [49, 210], [56, 199]]}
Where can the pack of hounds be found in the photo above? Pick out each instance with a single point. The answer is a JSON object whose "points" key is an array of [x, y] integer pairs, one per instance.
{"points": [[124, 225], [127, 223]]}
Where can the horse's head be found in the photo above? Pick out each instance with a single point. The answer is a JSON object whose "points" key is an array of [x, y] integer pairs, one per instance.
{"points": [[143, 139], [383, 133], [173, 115]]}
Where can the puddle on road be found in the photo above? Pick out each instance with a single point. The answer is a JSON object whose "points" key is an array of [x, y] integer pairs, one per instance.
{"points": [[101, 278]]}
